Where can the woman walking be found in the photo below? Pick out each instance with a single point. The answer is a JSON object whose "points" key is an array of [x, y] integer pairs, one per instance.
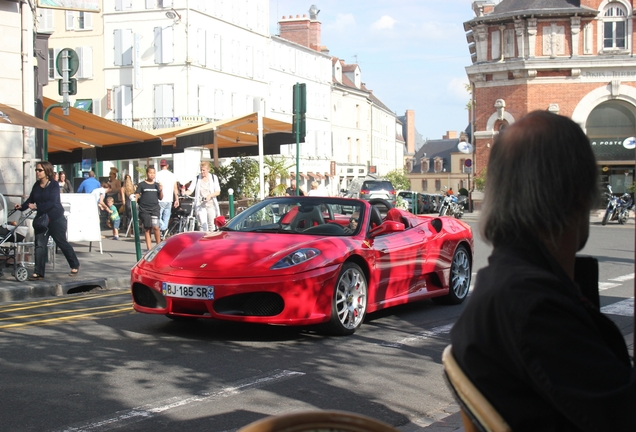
{"points": [[206, 188], [45, 198]]}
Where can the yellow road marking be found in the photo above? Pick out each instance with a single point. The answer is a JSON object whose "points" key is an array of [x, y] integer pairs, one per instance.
{"points": [[51, 302], [11, 318], [63, 318]]}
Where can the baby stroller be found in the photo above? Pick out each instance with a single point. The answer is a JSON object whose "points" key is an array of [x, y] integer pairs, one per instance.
{"points": [[12, 244]]}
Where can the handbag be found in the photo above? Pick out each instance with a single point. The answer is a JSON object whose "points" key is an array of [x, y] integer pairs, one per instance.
{"points": [[41, 222]]}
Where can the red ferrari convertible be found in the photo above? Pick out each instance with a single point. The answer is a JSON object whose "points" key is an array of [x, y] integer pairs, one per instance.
{"points": [[306, 260]]}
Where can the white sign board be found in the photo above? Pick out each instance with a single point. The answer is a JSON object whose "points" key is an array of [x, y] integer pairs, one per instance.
{"points": [[83, 218]]}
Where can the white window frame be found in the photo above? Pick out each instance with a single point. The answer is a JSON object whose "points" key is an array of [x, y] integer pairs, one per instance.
{"points": [[164, 45], [615, 13], [86, 18]]}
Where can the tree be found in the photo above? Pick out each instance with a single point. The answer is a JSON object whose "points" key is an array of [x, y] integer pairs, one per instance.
{"points": [[276, 167], [399, 179], [480, 180], [243, 177]]}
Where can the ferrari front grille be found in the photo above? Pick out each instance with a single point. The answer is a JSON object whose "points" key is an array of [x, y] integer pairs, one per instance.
{"points": [[250, 304]]}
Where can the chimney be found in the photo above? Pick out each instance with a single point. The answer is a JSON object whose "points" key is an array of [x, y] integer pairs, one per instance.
{"points": [[450, 135], [302, 30], [410, 131]]}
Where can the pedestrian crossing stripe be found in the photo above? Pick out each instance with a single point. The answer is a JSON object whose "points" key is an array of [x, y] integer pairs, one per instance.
{"points": [[623, 308]]}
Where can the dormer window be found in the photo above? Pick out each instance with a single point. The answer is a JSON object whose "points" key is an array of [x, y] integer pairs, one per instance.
{"points": [[614, 26]]}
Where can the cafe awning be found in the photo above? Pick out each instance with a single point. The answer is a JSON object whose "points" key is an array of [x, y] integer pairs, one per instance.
{"points": [[169, 137], [239, 135], [110, 140], [13, 116]]}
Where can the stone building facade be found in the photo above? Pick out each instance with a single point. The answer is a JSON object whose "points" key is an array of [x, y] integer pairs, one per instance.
{"points": [[575, 58]]}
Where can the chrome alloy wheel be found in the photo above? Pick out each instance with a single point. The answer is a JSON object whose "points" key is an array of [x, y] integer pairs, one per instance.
{"points": [[351, 298], [460, 273]]}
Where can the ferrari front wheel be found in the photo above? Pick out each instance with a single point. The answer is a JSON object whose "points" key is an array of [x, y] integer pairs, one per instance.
{"points": [[459, 280], [349, 301]]}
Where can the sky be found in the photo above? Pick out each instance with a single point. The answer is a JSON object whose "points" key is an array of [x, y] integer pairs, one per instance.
{"points": [[411, 53]]}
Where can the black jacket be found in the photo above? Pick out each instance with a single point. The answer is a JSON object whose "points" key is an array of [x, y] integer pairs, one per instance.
{"points": [[540, 351]]}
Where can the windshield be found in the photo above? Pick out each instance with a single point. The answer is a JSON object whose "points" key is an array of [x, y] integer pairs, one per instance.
{"points": [[323, 216]]}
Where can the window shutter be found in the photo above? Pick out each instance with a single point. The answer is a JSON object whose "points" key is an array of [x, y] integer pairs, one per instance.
{"points": [[201, 47], [151, 4], [164, 100], [123, 4], [217, 51], [158, 48], [167, 45], [46, 21], [249, 61], [117, 47], [53, 74], [97, 107], [70, 20], [88, 20], [166, 3], [218, 103], [127, 103], [127, 44], [86, 62]]}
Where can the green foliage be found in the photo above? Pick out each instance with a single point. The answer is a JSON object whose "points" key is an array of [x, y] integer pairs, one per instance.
{"points": [[276, 167], [401, 203], [399, 179], [241, 175], [480, 180], [463, 191]]}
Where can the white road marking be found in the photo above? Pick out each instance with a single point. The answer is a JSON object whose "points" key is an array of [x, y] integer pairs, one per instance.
{"points": [[144, 412], [434, 332], [602, 286], [623, 278], [623, 308]]}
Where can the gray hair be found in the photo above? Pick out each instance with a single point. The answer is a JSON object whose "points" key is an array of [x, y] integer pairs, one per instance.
{"points": [[542, 175]]}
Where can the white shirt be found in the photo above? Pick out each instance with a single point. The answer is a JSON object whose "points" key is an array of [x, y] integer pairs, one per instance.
{"points": [[167, 180], [97, 192]]}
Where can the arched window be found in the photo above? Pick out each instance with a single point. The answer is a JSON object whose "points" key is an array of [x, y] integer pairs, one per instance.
{"points": [[614, 26]]}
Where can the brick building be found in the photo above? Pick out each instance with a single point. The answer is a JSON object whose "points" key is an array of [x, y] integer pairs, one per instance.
{"points": [[575, 58]]}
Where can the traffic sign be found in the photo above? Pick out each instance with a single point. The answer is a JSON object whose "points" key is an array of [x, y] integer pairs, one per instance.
{"points": [[73, 62], [468, 162]]}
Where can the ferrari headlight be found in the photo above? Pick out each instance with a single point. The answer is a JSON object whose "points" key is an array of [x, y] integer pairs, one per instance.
{"points": [[154, 251], [296, 257]]}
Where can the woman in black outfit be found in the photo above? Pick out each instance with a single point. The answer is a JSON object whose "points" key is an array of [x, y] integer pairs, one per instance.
{"points": [[45, 198]]}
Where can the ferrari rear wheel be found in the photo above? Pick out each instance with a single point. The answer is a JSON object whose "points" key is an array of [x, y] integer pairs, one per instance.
{"points": [[460, 276], [349, 301]]}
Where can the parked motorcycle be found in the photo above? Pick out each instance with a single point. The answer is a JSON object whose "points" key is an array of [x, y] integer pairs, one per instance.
{"points": [[617, 207], [452, 206]]}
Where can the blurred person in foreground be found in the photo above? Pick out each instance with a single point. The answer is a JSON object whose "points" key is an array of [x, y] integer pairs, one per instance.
{"points": [[532, 337]]}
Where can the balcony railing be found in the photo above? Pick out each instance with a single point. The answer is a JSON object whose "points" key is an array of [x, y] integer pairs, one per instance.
{"points": [[150, 123]]}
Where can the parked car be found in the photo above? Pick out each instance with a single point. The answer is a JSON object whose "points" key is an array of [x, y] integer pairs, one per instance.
{"points": [[423, 201], [303, 261]]}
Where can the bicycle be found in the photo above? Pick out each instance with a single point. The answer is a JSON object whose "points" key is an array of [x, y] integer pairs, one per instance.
{"points": [[181, 219]]}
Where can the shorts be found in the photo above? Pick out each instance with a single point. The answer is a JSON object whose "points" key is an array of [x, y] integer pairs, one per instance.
{"points": [[148, 220], [116, 223]]}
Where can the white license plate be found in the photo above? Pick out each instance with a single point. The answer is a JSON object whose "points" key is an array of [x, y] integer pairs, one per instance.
{"points": [[187, 291]]}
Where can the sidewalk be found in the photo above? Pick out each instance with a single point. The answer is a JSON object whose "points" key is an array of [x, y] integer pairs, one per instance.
{"points": [[111, 269]]}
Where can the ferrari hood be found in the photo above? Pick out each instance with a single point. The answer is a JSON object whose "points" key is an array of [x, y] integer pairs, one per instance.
{"points": [[230, 254]]}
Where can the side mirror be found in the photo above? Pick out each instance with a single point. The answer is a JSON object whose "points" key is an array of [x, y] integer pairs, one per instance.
{"points": [[387, 227]]}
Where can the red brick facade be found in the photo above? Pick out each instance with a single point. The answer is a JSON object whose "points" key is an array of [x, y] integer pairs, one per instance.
{"points": [[559, 60]]}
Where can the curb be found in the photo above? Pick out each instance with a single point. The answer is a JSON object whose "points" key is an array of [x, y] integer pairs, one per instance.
{"points": [[38, 290]]}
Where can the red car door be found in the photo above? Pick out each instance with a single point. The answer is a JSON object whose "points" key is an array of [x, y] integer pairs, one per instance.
{"points": [[400, 259]]}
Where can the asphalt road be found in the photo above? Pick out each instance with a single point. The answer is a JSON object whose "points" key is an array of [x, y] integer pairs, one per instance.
{"points": [[87, 362]]}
